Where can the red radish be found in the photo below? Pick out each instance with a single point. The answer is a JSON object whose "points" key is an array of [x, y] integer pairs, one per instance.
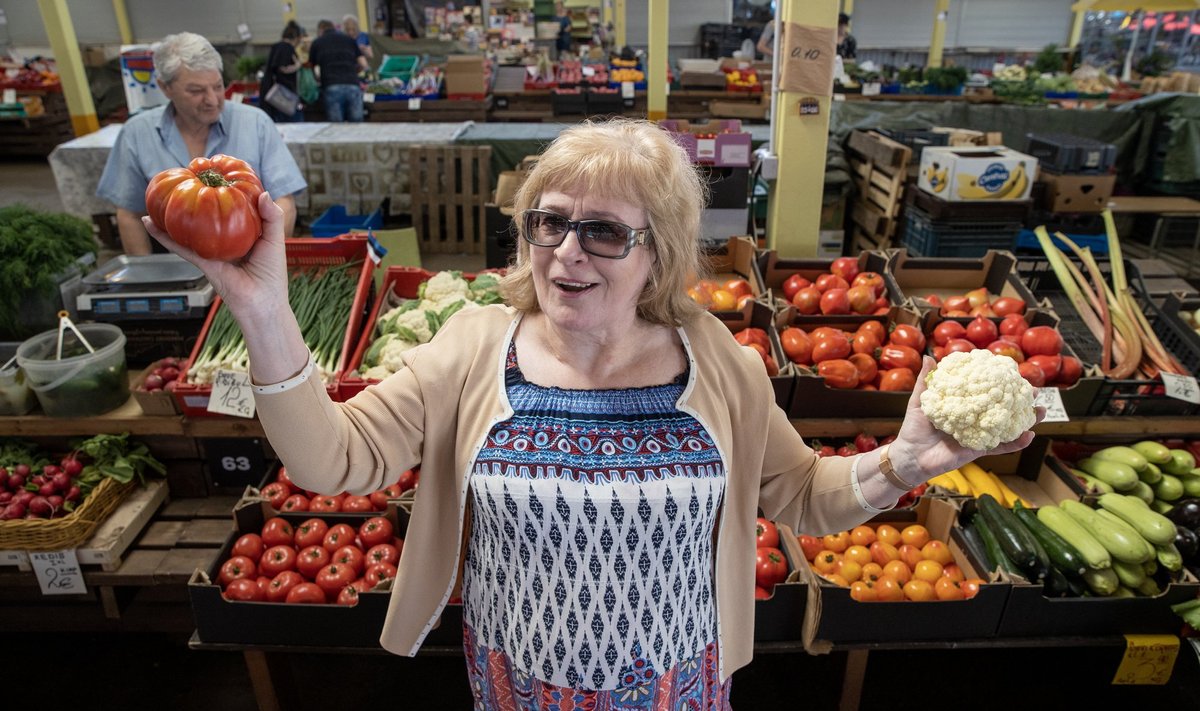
{"points": [[40, 506], [167, 372], [72, 466], [153, 382], [21, 470]]}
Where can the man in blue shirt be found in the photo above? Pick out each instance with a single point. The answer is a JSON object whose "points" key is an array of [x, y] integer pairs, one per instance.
{"points": [[198, 122], [338, 60]]}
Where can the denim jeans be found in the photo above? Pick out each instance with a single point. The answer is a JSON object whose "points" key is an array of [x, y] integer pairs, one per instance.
{"points": [[343, 102]]}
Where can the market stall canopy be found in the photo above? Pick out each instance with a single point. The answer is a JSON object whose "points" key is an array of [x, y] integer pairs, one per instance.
{"points": [[1133, 5]]}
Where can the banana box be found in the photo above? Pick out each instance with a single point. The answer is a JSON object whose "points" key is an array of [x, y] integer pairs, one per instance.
{"points": [[962, 174]]}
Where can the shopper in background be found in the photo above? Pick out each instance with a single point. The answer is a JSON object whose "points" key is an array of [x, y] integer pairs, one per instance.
{"points": [[598, 448], [362, 39], [338, 60], [282, 65], [563, 18], [766, 41], [197, 122], [847, 46]]}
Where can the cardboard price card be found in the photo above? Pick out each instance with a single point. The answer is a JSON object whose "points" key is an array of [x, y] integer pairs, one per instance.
{"points": [[58, 572], [806, 67], [1181, 387], [231, 394], [1050, 398], [1149, 659]]}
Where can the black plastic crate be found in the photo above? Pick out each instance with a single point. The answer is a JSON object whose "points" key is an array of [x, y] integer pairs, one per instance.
{"points": [[1065, 153], [568, 103], [931, 238], [916, 138], [604, 103], [1176, 335]]}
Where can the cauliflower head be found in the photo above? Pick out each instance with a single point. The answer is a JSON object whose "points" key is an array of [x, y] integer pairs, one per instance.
{"points": [[413, 319], [978, 398], [444, 285]]}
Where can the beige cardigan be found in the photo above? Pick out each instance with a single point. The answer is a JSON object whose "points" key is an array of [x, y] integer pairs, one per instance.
{"points": [[438, 411]]}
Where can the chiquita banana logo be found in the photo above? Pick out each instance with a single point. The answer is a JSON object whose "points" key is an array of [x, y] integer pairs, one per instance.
{"points": [[1009, 186], [936, 178]]}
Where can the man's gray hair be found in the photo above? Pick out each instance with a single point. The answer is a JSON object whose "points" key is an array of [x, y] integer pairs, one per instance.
{"points": [[184, 50]]}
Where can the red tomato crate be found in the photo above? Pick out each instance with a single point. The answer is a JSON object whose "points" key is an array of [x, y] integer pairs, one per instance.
{"points": [[301, 253]]}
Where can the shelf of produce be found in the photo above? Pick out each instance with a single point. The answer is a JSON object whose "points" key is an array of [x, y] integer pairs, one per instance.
{"points": [[1157, 427]]}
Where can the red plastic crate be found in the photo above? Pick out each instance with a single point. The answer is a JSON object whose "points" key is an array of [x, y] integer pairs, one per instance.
{"points": [[301, 253]]}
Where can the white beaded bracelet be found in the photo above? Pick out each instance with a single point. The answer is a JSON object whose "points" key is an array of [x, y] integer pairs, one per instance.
{"points": [[285, 385]]}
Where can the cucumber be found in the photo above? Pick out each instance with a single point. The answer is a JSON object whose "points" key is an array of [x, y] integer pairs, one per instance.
{"points": [[1056, 584], [1169, 557], [1121, 477], [1062, 555], [1154, 452], [1140, 490], [993, 547], [1168, 488], [1102, 582], [1125, 455], [1154, 527], [1151, 474], [1131, 575], [1059, 521], [1092, 482], [1118, 543], [1014, 540], [976, 550]]}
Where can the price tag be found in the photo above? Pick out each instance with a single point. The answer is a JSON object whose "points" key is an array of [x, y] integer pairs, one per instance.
{"points": [[1051, 399], [871, 88], [244, 32], [231, 394], [807, 62], [17, 558], [58, 572], [1148, 659], [626, 90], [10, 96], [414, 104], [532, 70], [235, 463], [589, 71], [1181, 387], [368, 97]]}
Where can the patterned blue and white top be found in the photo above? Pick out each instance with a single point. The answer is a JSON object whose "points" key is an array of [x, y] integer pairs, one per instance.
{"points": [[591, 543]]}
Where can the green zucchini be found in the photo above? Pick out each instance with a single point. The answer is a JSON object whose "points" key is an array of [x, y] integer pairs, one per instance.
{"points": [[1154, 452], [1130, 531], [1016, 542], [1057, 520], [1141, 491], [1063, 555], [1131, 575], [1121, 477], [976, 549], [1102, 582], [1168, 488], [1169, 557], [1150, 475], [1125, 455], [1092, 482], [1056, 584], [1123, 591], [1161, 507], [1154, 527], [1150, 567], [1117, 542], [991, 544], [1149, 588]]}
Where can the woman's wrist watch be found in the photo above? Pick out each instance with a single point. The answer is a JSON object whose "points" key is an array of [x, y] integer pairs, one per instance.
{"points": [[889, 470]]}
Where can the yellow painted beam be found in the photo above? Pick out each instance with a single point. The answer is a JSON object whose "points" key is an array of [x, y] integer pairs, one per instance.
{"points": [[57, 19], [848, 8], [656, 60], [619, 10], [799, 141], [608, 12], [289, 10], [938, 42], [364, 17], [123, 21], [1076, 29]]}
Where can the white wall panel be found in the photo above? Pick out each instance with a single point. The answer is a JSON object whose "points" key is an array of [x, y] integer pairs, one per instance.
{"points": [[1019, 24]]}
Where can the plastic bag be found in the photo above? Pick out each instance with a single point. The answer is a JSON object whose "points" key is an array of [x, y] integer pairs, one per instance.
{"points": [[309, 90]]}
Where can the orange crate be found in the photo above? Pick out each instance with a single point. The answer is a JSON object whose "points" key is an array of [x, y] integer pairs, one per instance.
{"points": [[301, 253]]}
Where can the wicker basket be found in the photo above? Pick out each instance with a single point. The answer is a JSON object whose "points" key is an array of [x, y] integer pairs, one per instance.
{"points": [[51, 534]]}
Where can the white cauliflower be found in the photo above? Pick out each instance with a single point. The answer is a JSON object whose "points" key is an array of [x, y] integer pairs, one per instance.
{"points": [[978, 398], [444, 285], [392, 352], [379, 372], [413, 319]]}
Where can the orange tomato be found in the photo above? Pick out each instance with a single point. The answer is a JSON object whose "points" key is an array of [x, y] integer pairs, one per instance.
{"points": [[837, 579], [866, 366], [858, 554], [796, 345], [970, 587], [825, 562], [915, 535], [872, 571], [849, 570], [947, 589], [883, 553], [738, 287], [927, 570], [862, 535], [836, 542], [889, 534], [919, 591], [910, 554], [937, 551], [700, 296], [888, 589], [863, 591], [899, 570], [953, 572], [722, 300]]}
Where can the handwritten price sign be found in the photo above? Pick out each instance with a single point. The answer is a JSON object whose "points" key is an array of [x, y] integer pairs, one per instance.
{"points": [[231, 394], [1148, 659], [1181, 387], [57, 572], [1050, 398], [807, 66]]}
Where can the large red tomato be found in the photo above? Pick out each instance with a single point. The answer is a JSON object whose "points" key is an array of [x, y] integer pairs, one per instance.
{"points": [[276, 560], [793, 284], [378, 572], [982, 331], [311, 560], [282, 584], [894, 356], [351, 557], [383, 553], [239, 566], [244, 590], [249, 545], [311, 532], [333, 577], [1071, 370], [375, 530], [1041, 340], [911, 336], [838, 373], [277, 532], [766, 534], [276, 493], [339, 535], [306, 594], [770, 567], [948, 330], [210, 207], [897, 379]]}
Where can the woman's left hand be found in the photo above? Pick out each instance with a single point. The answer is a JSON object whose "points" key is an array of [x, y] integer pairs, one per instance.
{"points": [[920, 445]]}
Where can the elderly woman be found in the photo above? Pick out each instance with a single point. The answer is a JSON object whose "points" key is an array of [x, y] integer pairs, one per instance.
{"points": [[362, 39], [592, 454], [197, 122]]}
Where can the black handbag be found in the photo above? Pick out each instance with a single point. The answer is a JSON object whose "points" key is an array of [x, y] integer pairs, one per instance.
{"points": [[282, 99]]}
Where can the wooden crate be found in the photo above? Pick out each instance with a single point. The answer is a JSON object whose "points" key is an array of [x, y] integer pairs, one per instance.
{"points": [[450, 185], [879, 169]]}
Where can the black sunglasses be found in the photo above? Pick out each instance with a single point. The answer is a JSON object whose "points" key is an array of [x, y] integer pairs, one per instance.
{"points": [[602, 238]]}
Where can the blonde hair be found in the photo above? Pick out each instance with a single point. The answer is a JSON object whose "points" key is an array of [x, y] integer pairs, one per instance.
{"points": [[639, 163]]}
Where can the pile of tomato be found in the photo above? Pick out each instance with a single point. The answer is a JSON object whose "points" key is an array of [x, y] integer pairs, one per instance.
{"points": [[843, 290], [284, 495], [757, 340], [770, 567], [1037, 349], [869, 358], [729, 295], [313, 563]]}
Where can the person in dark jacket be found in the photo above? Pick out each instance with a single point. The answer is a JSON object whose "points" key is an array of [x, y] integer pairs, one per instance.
{"points": [[338, 60], [281, 68]]}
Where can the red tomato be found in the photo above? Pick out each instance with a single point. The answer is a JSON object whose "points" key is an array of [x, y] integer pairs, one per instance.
{"points": [[956, 303], [378, 572], [239, 566], [338, 536], [357, 504], [835, 301], [378, 499], [825, 282], [1041, 340], [871, 279], [277, 531], [905, 335], [847, 450], [1050, 366], [1006, 305], [333, 577], [244, 590], [1071, 371], [838, 373], [797, 346], [348, 595], [861, 298], [249, 545], [761, 593], [897, 379], [295, 502], [408, 479], [275, 493], [1007, 348], [845, 267], [282, 584], [959, 345], [211, 206], [746, 336], [375, 531], [311, 532], [738, 287], [311, 560], [383, 553], [325, 504], [933, 300], [770, 567], [1013, 325], [1032, 373], [866, 365], [277, 559], [351, 557], [981, 332], [894, 356], [864, 442], [282, 477], [808, 300], [766, 534], [866, 342], [263, 583], [831, 347], [793, 284], [948, 330], [306, 594]]}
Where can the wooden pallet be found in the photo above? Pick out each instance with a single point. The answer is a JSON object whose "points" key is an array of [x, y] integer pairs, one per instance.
{"points": [[113, 537], [450, 185], [879, 169]]}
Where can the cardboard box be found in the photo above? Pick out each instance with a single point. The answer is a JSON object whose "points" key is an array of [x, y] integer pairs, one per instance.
{"points": [[1077, 193], [464, 74], [775, 270], [968, 137], [839, 619], [718, 142], [750, 110], [984, 173], [759, 315], [910, 279]]}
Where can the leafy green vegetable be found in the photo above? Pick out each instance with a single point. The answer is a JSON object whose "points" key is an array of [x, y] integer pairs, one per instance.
{"points": [[14, 451], [35, 247], [1049, 60], [115, 457], [946, 78], [1189, 611]]}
